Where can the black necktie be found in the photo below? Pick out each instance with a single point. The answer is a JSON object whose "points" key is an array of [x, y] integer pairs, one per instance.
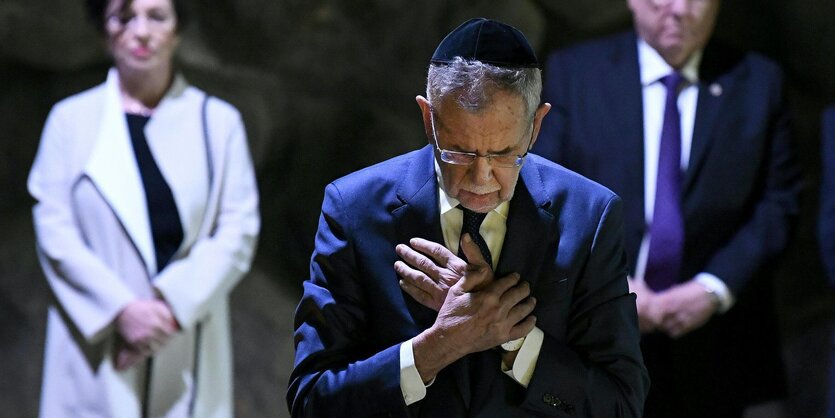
{"points": [[166, 228], [471, 225]]}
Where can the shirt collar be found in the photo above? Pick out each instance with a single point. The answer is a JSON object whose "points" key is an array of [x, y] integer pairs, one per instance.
{"points": [[448, 203], [653, 67]]}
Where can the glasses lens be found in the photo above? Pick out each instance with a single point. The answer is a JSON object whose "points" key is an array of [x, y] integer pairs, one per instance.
{"points": [[460, 158], [507, 160]]}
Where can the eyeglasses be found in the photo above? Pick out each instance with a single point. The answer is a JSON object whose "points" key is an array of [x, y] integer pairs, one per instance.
{"points": [[467, 158], [154, 20]]}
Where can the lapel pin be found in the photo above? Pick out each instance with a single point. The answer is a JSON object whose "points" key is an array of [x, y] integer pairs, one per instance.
{"points": [[715, 89]]}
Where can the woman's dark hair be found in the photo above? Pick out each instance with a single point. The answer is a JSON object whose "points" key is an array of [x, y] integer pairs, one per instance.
{"points": [[97, 8]]}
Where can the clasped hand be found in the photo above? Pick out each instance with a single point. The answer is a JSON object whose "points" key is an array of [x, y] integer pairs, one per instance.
{"points": [[143, 326], [475, 311], [675, 311]]}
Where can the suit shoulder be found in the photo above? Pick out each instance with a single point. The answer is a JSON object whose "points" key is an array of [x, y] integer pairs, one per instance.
{"points": [[720, 59], [591, 51], [765, 65], [217, 103], [560, 182]]}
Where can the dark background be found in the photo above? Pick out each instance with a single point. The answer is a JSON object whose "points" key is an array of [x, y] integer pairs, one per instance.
{"points": [[327, 87]]}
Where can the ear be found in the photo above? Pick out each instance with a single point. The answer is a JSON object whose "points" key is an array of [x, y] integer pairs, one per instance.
{"points": [[426, 113], [541, 111]]}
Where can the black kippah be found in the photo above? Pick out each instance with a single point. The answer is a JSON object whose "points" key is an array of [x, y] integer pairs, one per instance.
{"points": [[488, 41]]}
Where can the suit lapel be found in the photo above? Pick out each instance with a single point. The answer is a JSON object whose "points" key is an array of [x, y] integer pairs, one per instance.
{"points": [[706, 111], [715, 84], [113, 169], [528, 226], [419, 216], [622, 138]]}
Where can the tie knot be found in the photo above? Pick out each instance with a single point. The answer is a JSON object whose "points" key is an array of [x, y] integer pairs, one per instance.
{"points": [[472, 220], [672, 81]]}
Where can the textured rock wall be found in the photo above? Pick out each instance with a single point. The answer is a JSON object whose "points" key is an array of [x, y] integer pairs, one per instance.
{"points": [[327, 87]]}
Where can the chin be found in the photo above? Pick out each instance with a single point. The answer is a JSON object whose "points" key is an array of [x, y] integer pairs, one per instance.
{"points": [[480, 206]]}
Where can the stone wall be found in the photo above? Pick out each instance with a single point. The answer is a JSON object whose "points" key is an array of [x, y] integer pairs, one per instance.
{"points": [[327, 87]]}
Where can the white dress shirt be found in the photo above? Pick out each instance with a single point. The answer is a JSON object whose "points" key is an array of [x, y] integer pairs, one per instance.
{"points": [[653, 69], [493, 230]]}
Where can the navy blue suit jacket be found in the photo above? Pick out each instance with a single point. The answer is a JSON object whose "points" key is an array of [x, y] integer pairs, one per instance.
{"points": [[826, 220], [739, 193], [564, 236]]}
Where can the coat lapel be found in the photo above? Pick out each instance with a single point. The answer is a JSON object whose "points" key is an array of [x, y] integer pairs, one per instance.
{"points": [[715, 84], [113, 169], [419, 216], [175, 131], [529, 224], [622, 138]]}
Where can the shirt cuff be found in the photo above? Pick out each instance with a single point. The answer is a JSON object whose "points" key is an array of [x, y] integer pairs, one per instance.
{"points": [[716, 286], [411, 384], [525, 362]]}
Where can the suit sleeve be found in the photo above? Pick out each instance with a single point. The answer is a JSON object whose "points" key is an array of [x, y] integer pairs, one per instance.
{"points": [[826, 220], [215, 264], [85, 288], [598, 370], [333, 372], [766, 232]]}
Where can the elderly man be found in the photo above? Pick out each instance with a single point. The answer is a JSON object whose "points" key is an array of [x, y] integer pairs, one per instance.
{"points": [[470, 278], [693, 136]]}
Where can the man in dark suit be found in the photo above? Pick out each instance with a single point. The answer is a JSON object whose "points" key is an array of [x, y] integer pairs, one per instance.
{"points": [[693, 137], [469, 278], [826, 224]]}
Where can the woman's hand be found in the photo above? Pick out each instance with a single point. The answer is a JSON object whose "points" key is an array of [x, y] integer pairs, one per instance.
{"points": [[146, 324]]}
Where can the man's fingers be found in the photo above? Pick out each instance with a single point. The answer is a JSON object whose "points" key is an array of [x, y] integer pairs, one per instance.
{"points": [[439, 254], [516, 293], [501, 286], [521, 310], [675, 324], [419, 295], [522, 328], [418, 261], [416, 278]]}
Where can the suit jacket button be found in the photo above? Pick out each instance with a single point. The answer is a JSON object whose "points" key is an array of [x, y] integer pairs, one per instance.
{"points": [[547, 398]]}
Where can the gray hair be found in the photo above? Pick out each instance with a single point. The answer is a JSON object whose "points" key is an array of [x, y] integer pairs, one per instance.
{"points": [[474, 82]]}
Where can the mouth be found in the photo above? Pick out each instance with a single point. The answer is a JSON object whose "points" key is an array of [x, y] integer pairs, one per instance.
{"points": [[476, 200], [141, 52]]}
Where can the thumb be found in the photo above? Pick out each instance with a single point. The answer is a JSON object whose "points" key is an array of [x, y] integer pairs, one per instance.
{"points": [[471, 250], [476, 267]]}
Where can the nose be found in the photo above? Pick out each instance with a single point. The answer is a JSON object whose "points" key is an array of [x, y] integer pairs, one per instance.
{"points": [[679, 7], [481, 172], [140, 26]]}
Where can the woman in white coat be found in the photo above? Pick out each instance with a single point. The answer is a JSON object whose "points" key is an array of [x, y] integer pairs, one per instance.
{"points": [[146, 218]]}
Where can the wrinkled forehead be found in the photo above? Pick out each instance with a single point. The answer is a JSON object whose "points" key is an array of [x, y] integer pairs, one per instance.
{"points": [[492, 100]]}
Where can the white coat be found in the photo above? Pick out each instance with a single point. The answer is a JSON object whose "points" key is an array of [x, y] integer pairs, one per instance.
{"points": [[96, 248]]}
